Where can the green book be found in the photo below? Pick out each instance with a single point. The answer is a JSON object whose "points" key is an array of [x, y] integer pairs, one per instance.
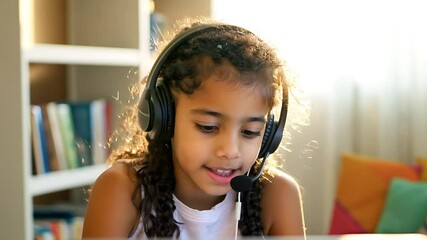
{"points": [[68, 136]]}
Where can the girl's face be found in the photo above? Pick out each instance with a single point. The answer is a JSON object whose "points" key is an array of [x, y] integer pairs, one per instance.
{"points": [[218, 134]]}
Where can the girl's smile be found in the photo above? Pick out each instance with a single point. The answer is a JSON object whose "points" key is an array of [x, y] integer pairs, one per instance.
{"points": [[221, 176]]}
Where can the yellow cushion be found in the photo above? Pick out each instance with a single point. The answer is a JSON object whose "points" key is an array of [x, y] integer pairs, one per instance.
{"points": [[423, 163]]}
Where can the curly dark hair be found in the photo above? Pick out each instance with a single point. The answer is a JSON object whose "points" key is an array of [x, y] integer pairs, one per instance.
{"points": [[184, 71]]}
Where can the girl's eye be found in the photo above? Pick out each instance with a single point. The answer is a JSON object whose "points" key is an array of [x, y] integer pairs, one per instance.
{"points": [[206, 128], [250, 134]]}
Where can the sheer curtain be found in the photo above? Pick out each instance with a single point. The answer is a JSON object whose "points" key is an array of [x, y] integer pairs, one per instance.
{"points": [[363, 66], [390, 98]]}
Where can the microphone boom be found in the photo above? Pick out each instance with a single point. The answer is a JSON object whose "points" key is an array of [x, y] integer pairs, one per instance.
{"points": [[243, 183]]}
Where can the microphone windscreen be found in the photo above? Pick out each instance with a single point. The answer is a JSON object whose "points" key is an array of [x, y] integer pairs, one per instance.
{"points": [[241, 183]]}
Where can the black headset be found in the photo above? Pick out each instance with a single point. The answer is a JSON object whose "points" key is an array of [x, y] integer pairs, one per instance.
{"points": [[157, 110]]}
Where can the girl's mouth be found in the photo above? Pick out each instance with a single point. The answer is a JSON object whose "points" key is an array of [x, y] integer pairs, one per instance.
{"points": [[222, 176], [222, 172]]}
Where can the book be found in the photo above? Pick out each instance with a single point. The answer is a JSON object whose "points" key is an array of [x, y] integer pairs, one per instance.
{"points": [[42, 232], [56, 132], [36, 147], [108, 123], [67, 131], [58, 229], [63, 221], [82, 120], [100, 120], [51, 144], [41, 160], [72, 135]]}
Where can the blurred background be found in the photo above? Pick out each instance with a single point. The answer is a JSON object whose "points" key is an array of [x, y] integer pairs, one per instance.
{"points": [[361, 66]]}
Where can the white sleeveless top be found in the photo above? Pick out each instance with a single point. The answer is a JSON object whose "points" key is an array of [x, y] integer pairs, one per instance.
{"points": [[216, 223]]}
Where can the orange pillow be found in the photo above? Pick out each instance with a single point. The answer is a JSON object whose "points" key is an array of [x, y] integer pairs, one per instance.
{"points": [[361, 192]]}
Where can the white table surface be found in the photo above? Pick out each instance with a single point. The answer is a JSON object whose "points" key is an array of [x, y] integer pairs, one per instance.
{"points": [[366, 237], [350, 237]]}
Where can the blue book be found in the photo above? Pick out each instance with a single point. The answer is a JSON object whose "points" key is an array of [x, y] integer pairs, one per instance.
{"points": [[42, 232], [82, 121], [39, 140], [52, 212]]}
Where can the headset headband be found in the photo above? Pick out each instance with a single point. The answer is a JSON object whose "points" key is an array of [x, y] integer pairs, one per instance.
{"points": [[156, 115]]}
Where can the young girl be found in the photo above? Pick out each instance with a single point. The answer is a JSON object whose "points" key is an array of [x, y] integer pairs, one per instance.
{"points": [[204, 118]]}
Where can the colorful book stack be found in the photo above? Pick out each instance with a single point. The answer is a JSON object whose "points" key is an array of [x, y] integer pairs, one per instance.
{"points": [[57, 222], [68, 135]]}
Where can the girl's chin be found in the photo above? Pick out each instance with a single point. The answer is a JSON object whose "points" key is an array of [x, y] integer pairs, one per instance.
{"points": [[217, 191]]}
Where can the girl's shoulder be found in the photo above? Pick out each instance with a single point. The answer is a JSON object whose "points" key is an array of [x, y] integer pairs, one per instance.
{"points": [[120, 179], [120, 173], [279, 180], [112, 208], [280, 188], [282, 205]]}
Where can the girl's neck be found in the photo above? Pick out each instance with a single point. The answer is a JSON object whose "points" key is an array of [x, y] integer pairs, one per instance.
{"points": [[199, 202]]}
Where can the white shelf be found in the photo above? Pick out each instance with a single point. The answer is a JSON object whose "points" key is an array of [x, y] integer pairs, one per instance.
{"points": [[62, 180], [82, 55]]}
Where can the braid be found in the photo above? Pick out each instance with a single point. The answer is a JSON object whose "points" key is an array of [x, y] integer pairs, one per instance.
{"points": [[251, 225], [158, 182]]}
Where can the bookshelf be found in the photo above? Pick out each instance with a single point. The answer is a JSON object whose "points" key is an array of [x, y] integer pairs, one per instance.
{"points": [[82, 55], [66, 179], [98, 49]]}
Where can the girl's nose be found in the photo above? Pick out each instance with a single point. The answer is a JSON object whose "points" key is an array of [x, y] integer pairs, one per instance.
{"points": [[228, 146]]}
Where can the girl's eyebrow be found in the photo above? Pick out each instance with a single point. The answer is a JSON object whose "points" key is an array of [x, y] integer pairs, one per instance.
{"points": [[203, 111], [256, 119]]}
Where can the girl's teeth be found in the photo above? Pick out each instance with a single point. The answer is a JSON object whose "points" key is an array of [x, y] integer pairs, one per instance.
{"points": [[222, 172]]}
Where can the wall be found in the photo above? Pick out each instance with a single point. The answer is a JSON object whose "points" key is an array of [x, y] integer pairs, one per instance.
{"points": [[49, 26]]}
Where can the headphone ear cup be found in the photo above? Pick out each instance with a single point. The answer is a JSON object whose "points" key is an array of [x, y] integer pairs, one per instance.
{"points": [[168, 111], [163, 109], [270, 129]]}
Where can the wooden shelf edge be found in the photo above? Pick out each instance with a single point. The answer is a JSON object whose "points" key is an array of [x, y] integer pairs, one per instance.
{"points": [[82, 55], [63, 180]]}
